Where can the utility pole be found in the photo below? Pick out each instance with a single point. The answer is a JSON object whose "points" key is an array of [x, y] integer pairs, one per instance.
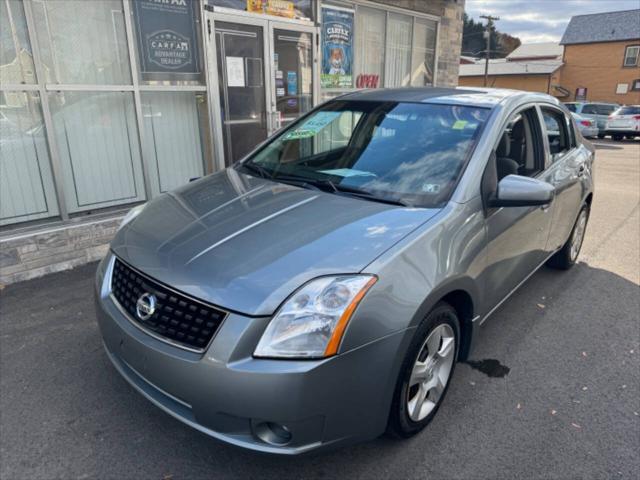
{"points": [[487, 36]]}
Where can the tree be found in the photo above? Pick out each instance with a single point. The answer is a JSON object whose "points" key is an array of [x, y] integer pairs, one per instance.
{"points": [[474, 43]]}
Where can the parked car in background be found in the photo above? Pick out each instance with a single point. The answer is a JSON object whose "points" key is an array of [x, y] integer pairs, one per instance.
{"points": [[598, 111], [587, 126], [321, 290], [624, 123]]}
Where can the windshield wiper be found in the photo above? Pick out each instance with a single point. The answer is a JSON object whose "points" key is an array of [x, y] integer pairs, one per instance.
{"points": [[255, 168], [357, 192], [354, 191]]}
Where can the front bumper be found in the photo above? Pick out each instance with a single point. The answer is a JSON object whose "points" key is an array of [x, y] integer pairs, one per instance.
{"points": [[229, 395]]}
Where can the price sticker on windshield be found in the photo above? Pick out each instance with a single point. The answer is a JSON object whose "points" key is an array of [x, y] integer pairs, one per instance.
{"points": [[312, 126]]}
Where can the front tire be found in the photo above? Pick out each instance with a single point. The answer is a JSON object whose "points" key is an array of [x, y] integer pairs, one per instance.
{"points": [[567, 256], [601, 136], [426, 372], [617, 137]]}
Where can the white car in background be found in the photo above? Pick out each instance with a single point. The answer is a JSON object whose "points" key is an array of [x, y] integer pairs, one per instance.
{"points": [[624, 123], [587, 126]]}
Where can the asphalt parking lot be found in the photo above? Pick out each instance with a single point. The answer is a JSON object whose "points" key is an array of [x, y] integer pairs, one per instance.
{"points": [[566, 406]]}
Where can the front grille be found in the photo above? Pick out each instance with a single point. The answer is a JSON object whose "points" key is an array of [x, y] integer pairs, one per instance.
{"points": [[177, 318]]}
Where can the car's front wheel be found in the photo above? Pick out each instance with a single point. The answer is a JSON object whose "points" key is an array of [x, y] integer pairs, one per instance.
{"points": [[426, 371], [567, 256], [601, 135], [617, 137]]}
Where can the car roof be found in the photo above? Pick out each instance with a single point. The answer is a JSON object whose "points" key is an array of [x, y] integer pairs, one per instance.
{"points": [[482, 97]]}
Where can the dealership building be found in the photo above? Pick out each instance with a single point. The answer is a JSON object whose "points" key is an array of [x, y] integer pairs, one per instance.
{"points": [[105, 104]]}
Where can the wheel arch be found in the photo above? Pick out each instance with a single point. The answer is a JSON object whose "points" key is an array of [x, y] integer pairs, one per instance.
{"points": [[462, 295]]}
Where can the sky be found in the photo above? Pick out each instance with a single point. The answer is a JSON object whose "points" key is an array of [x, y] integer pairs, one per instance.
{"points": [[535, 21]]}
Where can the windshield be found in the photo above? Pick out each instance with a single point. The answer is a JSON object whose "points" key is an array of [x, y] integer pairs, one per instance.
{"points": [[410, 153]]}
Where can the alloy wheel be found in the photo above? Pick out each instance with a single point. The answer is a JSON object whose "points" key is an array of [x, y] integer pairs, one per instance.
{"points": [[431, 372]]}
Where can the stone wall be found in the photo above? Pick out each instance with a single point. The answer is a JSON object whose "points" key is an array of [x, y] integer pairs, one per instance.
{"points": [[449, 37], [32, 255]]}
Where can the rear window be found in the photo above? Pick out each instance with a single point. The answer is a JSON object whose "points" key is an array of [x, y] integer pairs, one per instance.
{"points": [[605, 109], [631, 110]]}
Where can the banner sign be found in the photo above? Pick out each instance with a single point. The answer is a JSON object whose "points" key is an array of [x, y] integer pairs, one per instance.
{"points": [[337, 48], [280, 8], [167, 39]]}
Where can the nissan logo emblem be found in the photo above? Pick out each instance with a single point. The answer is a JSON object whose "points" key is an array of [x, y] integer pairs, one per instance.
{"points": [[146, 306]]}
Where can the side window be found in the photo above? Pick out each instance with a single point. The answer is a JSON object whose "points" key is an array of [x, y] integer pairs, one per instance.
{"points": [[571, 106], [519, 151], [590, 109], [556, 127]]}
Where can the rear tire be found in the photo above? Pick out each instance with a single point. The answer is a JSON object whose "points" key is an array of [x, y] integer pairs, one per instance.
{"points": [[567, 256], [426, 372], [601, 136], [617, 137]]}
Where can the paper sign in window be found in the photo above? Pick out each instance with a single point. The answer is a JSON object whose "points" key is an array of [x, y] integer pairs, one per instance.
{"points": [[235, 72]]}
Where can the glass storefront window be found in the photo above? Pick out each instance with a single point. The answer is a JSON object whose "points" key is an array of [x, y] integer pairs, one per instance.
{"points": [[370, 47], [298, 9], [398, 64], [424, 51], [16, 58], [176, 137], [98, 145], [82, 42], [26, 183]]}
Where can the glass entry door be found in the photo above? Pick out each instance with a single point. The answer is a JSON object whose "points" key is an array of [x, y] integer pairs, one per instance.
{"points": [[240, 52], [264, 71], [292, 92]]}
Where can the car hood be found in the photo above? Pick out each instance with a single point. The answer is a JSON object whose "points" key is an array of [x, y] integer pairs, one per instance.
{"points": [[246, 244]]}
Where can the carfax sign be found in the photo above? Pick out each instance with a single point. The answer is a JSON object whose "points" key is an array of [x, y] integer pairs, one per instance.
{"points": [[337, 48], [167, 40]]}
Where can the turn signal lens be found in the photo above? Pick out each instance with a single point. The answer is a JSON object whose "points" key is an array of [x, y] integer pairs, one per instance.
{"points": [[311, 323]]}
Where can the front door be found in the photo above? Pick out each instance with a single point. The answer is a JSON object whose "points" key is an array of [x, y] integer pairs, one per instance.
{"points": [[264, 71], [516, 236]]}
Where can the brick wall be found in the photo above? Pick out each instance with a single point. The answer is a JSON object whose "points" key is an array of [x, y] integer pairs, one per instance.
{"points": [[32, 255], [529, 83], [598, 67], [449, 36]]}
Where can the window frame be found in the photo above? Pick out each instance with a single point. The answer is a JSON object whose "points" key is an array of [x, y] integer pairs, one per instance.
{"points": [[637, 56], [491, 166], [570, 130], [635, 85]]}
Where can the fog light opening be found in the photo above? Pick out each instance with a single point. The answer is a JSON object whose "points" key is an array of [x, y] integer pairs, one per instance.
{"points": [[272, 433]]}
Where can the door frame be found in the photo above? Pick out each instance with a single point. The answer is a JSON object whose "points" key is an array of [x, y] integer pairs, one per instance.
{"points": [[269, 24]]}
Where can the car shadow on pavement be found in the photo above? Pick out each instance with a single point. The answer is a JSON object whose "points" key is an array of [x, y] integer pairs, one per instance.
{"points": [[565, 336]]}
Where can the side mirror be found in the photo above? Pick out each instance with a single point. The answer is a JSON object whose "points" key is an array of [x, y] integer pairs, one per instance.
{"points": [[519, 191]]}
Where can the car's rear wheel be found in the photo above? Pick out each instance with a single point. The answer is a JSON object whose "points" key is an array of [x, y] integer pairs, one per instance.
{"points": [[567, 256], [425, 373], [601, 136], [617, 137]]}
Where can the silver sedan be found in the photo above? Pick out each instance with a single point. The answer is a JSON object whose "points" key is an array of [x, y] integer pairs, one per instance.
{"points": [[320, 291]]}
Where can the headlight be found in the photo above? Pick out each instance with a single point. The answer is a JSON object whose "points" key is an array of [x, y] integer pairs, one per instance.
{"points": [[312, 321], [131, 214]]}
